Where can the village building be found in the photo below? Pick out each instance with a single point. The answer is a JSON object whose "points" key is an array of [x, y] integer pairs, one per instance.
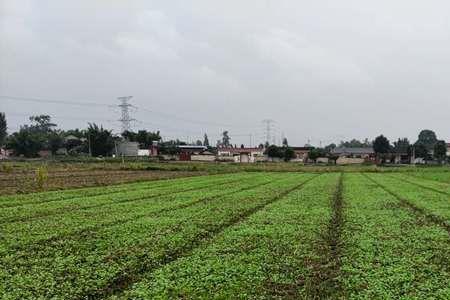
{"points": [[301, 153], [187, 151], [206, 156], [348, 155], [241, 155]]}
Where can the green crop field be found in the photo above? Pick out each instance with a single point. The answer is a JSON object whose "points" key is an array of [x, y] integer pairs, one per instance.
{"points": [[247, 235]]}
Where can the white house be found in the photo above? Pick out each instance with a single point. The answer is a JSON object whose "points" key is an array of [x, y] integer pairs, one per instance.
{"points": [[241, 155]]}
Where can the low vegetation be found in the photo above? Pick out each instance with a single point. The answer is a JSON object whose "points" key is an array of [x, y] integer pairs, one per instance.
{"points": [[249, 235]]}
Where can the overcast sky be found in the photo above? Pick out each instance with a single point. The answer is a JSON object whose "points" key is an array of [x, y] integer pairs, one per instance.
{"points": [[323, 70]]}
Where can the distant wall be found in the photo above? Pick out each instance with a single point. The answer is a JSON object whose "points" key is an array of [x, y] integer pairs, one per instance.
{"points": [[195, 157], [349, 161]]}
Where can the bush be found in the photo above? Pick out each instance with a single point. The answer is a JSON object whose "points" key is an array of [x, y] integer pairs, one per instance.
{"points": [[41, 176]]}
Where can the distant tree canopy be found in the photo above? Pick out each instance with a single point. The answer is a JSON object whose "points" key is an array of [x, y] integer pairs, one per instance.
{"points": [[315, 153], [440, 150], [421, 151], [3, 128], [31, 139], [285, 142], [402, 146], [170, 147], [225, 139], [143, 137], [100, 140], [354, 143], [205, 140], [26, 142], [381, 146], [427, 138], [284, 152]]}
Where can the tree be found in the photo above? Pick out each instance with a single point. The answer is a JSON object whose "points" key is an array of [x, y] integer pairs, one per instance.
{"points": [[274, 151], [55, 141], [199, 143], [101, 140], [26, 142], [42, 123], [427, 138], [315, 153], [354, 143], [329, 147], [3, 128], [205, 140], [402, 146], [285, 142], [421, 151], [440, 150], [225, 139], [381, 146], [288, 153]]}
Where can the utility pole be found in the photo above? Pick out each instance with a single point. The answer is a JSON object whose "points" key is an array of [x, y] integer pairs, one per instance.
{"points": [[125, 113]]}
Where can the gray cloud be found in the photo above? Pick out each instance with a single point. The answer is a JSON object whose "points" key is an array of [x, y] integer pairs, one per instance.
{"points": [[324, 70]]}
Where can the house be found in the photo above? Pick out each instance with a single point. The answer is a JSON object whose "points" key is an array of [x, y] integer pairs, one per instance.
{"points": [[203, 156], [355, 155], [301, 153], [186, 151], [241, 155]]}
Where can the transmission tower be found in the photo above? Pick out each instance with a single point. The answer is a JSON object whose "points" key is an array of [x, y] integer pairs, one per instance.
{"points": [[125, 109], [268, 128]]}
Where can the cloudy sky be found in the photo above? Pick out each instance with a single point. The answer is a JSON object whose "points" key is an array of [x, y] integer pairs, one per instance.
{"points": [[322, 70]]}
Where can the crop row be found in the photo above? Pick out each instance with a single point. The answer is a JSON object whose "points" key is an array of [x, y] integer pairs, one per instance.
{"points": [[389, 252], [435, 175], [77, 222], [43, 209], [430, 201], [35, 198], [267, 256], [90, 265]]}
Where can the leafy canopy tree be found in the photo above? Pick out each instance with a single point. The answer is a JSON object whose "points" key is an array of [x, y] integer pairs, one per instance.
{"points": [[421, 151], [205, 140], [55, 140], [100, 140], [440, 150], [225, 139], [315, 153], [42, 124], [26, 142], [381, 146], [3, 128], [288, 153], [274, 151], [354, 143], [402, 146], [143, 137], [427, 138]]}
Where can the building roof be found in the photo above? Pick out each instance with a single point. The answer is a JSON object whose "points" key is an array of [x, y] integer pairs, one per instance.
{"points": [[348, 150], [192, 147]]}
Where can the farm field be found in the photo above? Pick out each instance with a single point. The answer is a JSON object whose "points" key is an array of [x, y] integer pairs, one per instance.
{"points": [[242, 235]]}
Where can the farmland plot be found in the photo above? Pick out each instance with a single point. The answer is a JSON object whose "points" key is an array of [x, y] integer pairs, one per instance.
{"points": [[247, 236]]}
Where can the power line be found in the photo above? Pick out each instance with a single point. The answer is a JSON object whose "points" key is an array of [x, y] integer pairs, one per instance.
{"points": [[39, 100], [184, 119]]}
